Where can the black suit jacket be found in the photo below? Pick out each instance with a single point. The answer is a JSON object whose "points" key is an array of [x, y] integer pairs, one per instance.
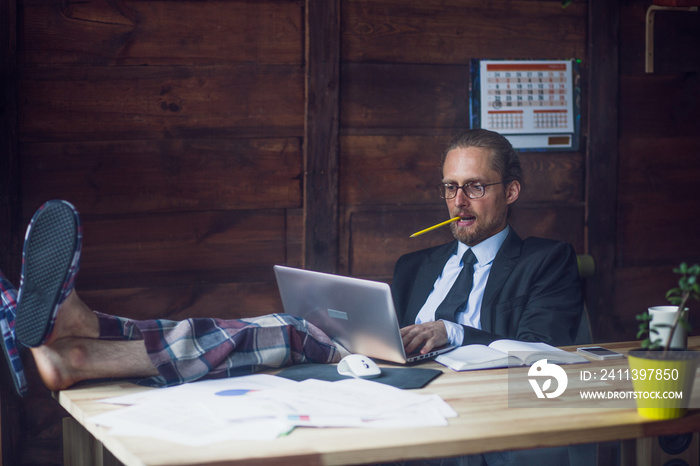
{"points": [[533, 292]]}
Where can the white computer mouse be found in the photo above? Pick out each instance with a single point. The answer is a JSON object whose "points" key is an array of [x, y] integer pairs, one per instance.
{"points": [[358, 366]]}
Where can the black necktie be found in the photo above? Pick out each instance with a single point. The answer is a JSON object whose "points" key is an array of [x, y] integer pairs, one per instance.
{"points": [[459, 293]]}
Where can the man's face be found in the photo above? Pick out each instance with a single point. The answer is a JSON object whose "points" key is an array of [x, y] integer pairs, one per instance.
{"points": [[483, 217]]}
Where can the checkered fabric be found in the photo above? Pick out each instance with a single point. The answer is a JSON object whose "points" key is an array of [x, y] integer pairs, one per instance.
{"points": [[204, 348], [8, 295]]}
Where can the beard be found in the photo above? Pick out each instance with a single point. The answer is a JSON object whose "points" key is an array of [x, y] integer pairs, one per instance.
{"points": [[478, 232]]}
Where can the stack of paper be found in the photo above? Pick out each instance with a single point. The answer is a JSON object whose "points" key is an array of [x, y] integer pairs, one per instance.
{"points": [[263, 407]]}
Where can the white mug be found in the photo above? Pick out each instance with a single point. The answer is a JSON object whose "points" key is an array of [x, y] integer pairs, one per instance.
{"points": [[666, 315]]}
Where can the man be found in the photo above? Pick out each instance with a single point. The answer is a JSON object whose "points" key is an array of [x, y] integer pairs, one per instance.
{"points": [[526, 290]]}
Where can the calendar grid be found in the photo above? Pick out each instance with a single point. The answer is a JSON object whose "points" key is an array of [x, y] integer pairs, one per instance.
{"points": [[527, 97]]}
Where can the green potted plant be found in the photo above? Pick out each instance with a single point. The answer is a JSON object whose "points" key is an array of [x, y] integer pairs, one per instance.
{"points": [[658, 369]]}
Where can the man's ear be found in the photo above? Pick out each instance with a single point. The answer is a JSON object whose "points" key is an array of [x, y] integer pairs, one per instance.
{"points": [[512, 192]]}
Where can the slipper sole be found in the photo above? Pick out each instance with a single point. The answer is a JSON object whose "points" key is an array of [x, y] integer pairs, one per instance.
{"points": [[50, 248]]}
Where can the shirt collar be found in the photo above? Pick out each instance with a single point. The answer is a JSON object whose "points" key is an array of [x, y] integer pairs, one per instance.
{"points": [[485, 251]]}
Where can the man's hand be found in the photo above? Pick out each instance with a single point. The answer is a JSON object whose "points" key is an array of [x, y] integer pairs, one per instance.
{"points": [[426, 337]]}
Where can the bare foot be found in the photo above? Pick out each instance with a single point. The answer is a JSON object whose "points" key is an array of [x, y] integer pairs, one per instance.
{"points": [[53, 366], [73, 351], [69, 360], [74, 319]]}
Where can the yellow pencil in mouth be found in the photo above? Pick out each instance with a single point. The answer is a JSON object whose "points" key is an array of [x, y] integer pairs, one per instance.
{"points": [[446, 222]]}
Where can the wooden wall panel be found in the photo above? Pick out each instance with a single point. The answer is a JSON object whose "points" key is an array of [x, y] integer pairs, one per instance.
{"points": [[675, 42], [563, 222], [454, 31], [295, 237], [659, 142], [167, 175], [218, 300], [659, 105], [391, 98], [405, 169], [658, 204], [379, 237], [321, 123], [126, 102], [601, 160], [392, 173], [405, 92], [658, 162], [182, 248], [390, 170], [177, 128], [102, 32], [552, 178], [165, 161]]}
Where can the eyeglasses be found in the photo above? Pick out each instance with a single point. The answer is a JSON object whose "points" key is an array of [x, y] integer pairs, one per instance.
{"points": [[473, 190]]}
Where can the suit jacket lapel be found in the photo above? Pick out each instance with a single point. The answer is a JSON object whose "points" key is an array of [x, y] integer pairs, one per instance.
{"points": [[425, 279], [502, 266]]}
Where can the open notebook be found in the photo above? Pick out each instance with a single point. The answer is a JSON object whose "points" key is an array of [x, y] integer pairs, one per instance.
{"points": [[505, 353]]}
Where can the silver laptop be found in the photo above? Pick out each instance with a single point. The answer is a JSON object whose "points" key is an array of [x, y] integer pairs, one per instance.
{"points": [[359, 314]]}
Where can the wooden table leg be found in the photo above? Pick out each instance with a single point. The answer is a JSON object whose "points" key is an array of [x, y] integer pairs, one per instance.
{"points": [[80, 448]]}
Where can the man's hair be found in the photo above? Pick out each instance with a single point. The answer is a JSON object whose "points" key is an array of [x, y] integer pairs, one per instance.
{"points": [[504, 159]]}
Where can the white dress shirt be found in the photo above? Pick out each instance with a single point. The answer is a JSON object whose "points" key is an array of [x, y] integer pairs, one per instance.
{"points": [[470, 314]]}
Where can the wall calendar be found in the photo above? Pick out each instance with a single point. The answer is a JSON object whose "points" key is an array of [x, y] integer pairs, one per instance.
{"points": [[533, 103]]}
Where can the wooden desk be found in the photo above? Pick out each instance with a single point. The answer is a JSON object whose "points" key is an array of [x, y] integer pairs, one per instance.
{"points": [[485, 424]]}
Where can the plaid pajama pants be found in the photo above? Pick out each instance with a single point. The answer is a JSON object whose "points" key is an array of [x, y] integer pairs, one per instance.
{"points": [[204, 348]]}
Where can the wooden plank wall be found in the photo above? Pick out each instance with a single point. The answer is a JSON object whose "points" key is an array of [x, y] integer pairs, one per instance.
{"points": [[659, 161], [176, 129], [601, 160], [404, 93]]}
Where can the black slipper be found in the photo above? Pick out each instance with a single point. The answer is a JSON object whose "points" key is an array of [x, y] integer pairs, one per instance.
{"points": [[50, 262]]}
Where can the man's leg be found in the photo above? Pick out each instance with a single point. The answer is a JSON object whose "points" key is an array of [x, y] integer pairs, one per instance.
{"points": [[73, 351], [87, 345], [71, 343], [72, 360], [199, 348]]}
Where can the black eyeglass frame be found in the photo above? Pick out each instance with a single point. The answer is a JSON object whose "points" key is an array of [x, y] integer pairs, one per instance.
{"points": [[441, 189]]}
